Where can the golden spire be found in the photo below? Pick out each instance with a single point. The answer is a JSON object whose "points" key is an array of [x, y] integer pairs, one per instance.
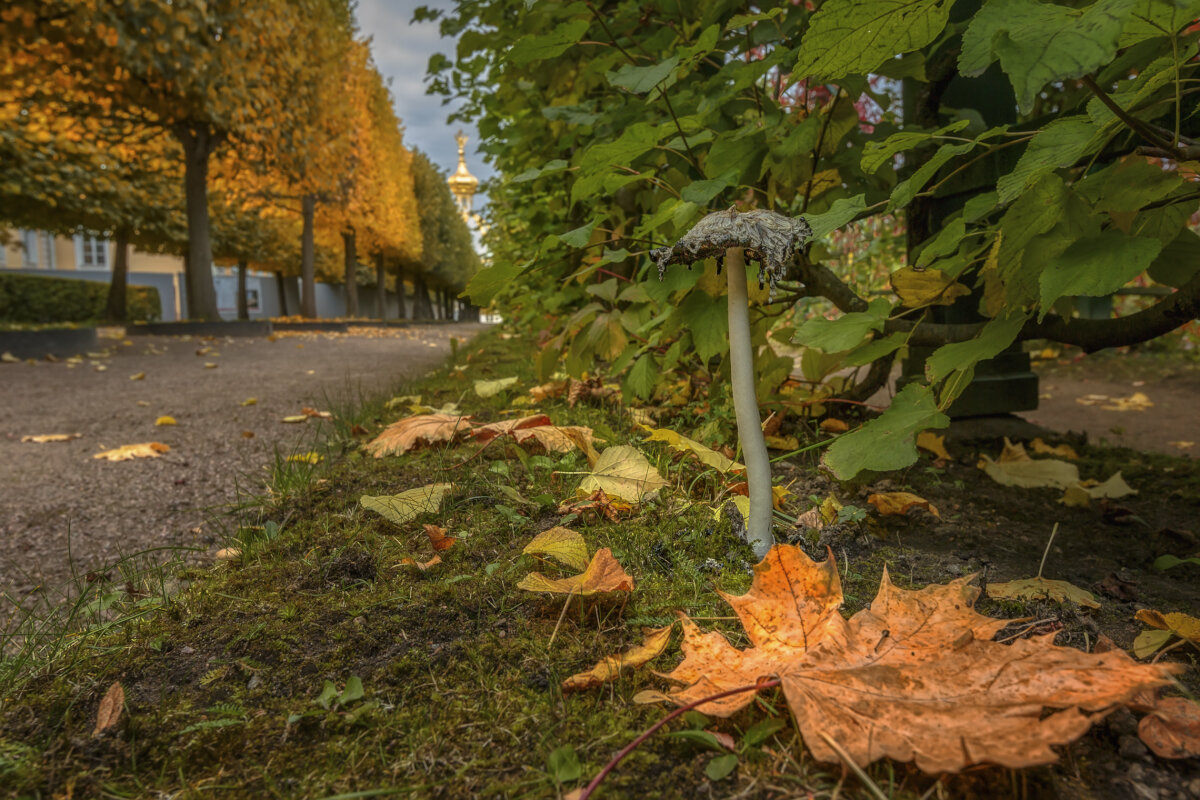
{"points": [[462, 183]]}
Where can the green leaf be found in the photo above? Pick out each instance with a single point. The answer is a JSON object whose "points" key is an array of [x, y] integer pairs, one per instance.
{"points": [[642, 377], [996, 335], [352, 692], [640, 80], [328, 694], [563, 764], [556, 165], [874, 350], [632, 143], [1153, 18], [487, 283], [887, 442], [733, 157], [580, 236], [1169, 561], [1059, 144], [840, 213], [720, 767], [1038, 43], [1097, 266], [876, 153], [702, 738], [945, 242], [907, 189], [761, 731], [707, 319], [1177, 262], [538, 48], [845, 332], [702, 192], [853, 37]]}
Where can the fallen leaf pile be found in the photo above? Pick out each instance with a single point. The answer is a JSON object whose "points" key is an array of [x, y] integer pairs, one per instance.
{"points": [[1014, 467], [131, 451], [539, 433], [604, 574], [1135, 402], [915, 677]]}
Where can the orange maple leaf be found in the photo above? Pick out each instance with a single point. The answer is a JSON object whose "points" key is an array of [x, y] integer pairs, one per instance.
{"points": [[914, 677], [485, 433], [413, 432], [438, 538]]}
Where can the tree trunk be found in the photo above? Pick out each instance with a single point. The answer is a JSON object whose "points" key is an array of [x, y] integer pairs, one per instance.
{"points": [[243, 306], [422, 308], [349, 245], [308, 296], [281, 287], [400, 299], [117, 289], [198, 145], [380, 288]]}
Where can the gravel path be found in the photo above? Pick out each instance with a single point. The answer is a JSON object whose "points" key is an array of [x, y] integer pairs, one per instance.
{"points": [[50, 491]]}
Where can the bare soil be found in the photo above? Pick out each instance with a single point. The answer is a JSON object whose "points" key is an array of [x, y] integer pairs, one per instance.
{"points": [[63, 511]]}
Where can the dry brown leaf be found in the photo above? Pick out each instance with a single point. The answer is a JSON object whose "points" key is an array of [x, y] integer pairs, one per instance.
{"points": [[831, 425], [556, 439], [604, 574], [413, 432], [45, 438], [610, 508], [309, 411], [228, 553], [914, 677], [898, 504], [1062, 450], [438, 538], [295, 419], [933, 443], [485, 433], [109, 712], [1182, 625], [247, 434], [1172, 729], [421, 565], [130, 451], [1042, 589], [548, 391], [609, 668]]}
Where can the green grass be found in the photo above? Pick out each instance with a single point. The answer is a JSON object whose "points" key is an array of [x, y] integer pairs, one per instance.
{"points": [[242, 679]]}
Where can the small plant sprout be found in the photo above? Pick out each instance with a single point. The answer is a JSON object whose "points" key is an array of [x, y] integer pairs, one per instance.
{"points": [[772, 240]]}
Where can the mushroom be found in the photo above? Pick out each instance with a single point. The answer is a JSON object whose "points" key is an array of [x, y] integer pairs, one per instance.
{"points": [[771, 239]]}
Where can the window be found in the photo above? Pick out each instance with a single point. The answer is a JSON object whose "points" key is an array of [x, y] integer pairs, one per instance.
{"points": [[91, 252], [29, 239]]}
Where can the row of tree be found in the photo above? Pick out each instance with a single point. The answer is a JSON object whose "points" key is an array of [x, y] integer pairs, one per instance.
{"points": [[257, 134]]}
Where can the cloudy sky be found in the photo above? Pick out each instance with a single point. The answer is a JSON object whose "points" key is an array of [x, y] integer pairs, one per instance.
{"points": [[402, 51]]}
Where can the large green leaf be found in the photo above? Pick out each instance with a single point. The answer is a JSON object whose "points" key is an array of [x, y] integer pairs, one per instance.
{"points": [[633, 142], [1059, 144], [1154, 18], [640, 80], [876, 154], [853, 37], [487, 283], [998, 334], [845, 332], [547, 45], [1179, 261], [843, 211], [907, 189], [1097, 266], [707, 319], [1038, 42], [641, 377], [889, 441]]}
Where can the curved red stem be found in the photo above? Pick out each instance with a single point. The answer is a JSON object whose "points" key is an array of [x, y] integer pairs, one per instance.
{"points": [[629, 748]]}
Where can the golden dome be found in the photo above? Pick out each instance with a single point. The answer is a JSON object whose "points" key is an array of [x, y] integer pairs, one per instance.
{"points": [[462, 182]]}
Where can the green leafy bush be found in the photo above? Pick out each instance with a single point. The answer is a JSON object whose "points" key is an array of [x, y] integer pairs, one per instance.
{"points": [[36, 299]]}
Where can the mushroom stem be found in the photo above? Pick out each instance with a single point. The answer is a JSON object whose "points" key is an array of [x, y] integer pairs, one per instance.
{"points": [[745, 406]]}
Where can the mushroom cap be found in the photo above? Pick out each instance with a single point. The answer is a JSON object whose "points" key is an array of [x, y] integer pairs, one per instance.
{"points": [[769, 238]]}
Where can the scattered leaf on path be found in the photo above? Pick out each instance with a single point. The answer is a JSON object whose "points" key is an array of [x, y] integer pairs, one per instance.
{"points": [[1014, 467], [137, 376], [46, 438], [1172, 729], [130, 451], [917, 676], [1182, 445], [311, 457], [295, 419], [604, 574], [898, 504], [109, 712], [1135, 402], [1042, 589], [165, 420], [250, 401], [413, 432], [622, 472], [831, 425], [209, 365], [609, 668], [438, 538], [682, 444], [408, 505], [561, 543], [309, 411]]}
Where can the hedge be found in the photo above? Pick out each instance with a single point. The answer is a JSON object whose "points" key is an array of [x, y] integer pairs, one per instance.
{"points": [[41, 299]]}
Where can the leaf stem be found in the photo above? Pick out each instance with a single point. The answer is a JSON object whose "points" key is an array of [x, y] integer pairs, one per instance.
{"points": [[629, 748]]}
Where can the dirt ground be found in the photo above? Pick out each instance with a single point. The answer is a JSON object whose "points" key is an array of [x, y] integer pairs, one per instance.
{"points": [[63, 510]]}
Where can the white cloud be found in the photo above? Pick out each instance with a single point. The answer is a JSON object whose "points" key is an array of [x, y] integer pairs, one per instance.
{"points": [[402, 50]]}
